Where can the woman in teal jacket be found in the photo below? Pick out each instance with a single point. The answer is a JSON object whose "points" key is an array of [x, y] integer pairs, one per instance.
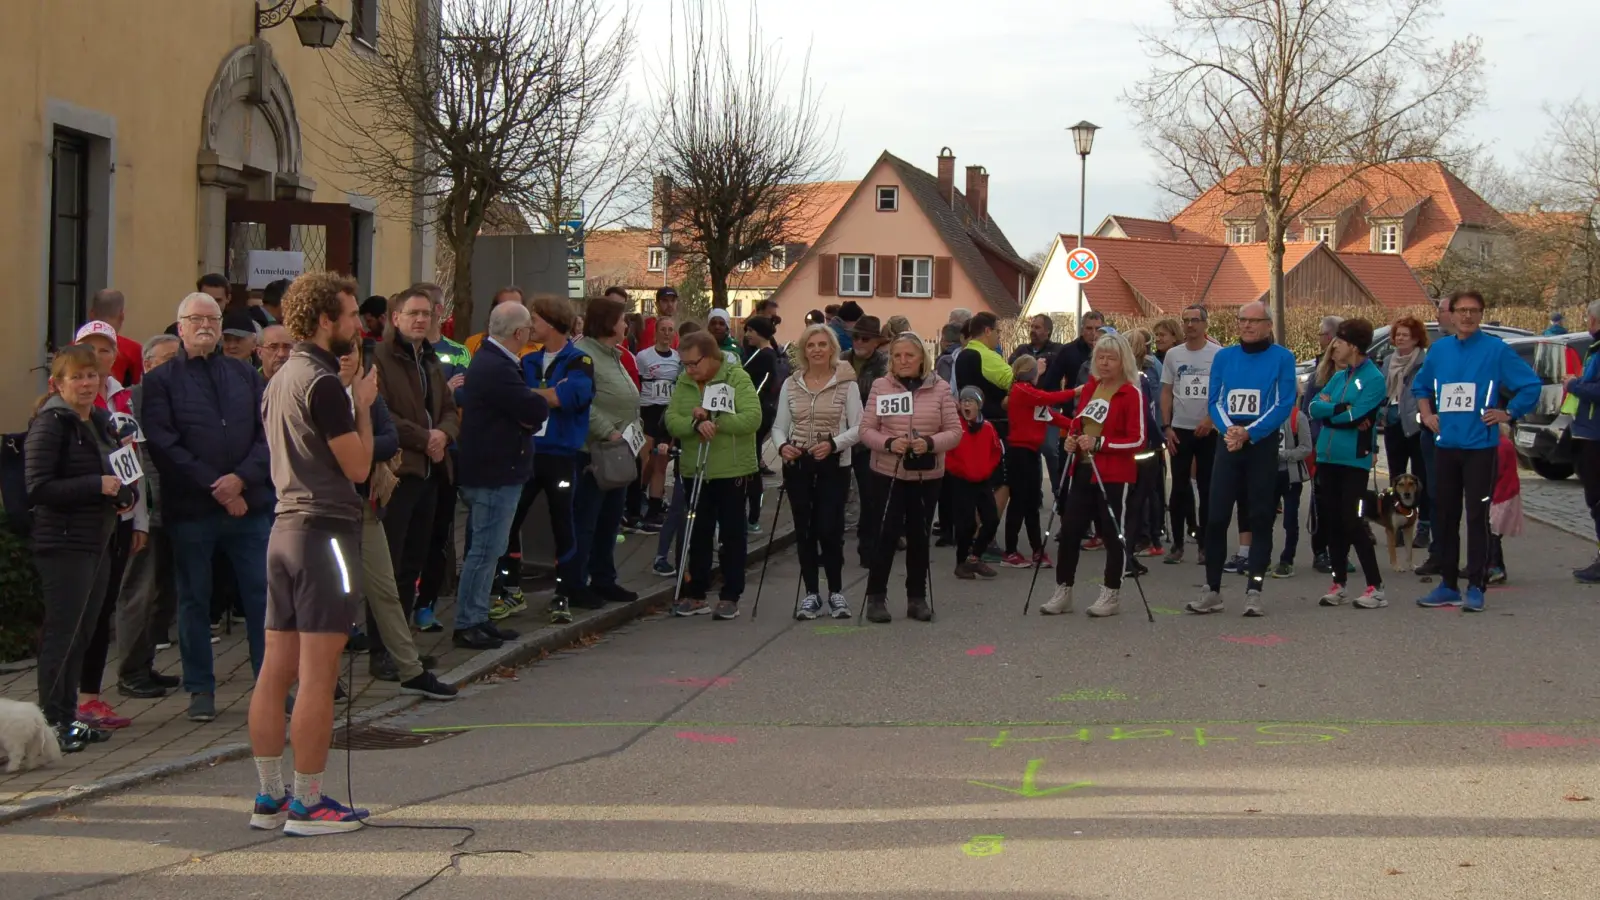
{"points": [[1347, 408]]}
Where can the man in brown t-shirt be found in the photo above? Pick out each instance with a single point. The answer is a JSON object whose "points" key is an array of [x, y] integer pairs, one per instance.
{"points": [[320, 439]]}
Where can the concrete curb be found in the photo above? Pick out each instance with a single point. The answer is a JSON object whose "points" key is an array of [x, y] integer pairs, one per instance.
{"points": [[523, 649]]}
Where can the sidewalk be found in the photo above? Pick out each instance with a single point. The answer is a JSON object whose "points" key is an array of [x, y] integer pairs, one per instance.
{"points": [[161, 741]]}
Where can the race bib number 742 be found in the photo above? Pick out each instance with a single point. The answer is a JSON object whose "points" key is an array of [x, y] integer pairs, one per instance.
{"points": [[1244, 403], [1458, 396], [895, 404]]}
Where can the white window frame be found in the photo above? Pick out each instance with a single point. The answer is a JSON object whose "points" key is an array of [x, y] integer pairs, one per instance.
{"points": [[862, 273], [1388, 233], [743, 266], [1242, 234], [893, 194], [901, 276], [655, 259], [778, 259], [1322, 234], [738, 307]]}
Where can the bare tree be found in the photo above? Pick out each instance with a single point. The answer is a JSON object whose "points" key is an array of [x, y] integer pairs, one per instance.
{"points": [[1566, 173], [1260, 95], [598, 166], [737, 146], [466, 111]]}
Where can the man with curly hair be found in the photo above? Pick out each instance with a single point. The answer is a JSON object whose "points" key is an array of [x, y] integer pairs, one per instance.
{"points": [[321, 446]]}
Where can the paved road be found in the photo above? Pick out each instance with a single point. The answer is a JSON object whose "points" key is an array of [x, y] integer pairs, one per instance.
{"points": [[1398, 753]]}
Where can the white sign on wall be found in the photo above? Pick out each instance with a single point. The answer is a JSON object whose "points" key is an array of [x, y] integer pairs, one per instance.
{"points": [[267, 266]]}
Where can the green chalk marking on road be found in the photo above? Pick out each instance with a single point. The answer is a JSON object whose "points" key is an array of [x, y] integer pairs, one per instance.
{"points": [[1323, 723], [1091, 695], [1166, 611], [984, 845], [1029, 788]]}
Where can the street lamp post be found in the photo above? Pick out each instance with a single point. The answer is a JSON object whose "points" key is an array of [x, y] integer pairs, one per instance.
{"points": [[1083, 141], [318, 26]]}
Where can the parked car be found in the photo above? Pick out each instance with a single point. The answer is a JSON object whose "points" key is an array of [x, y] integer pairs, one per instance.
{"points": [[1544, 436]]}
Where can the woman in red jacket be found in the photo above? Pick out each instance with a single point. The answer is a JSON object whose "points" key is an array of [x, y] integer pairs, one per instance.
{"points": [[967, 469], [1028, 409], [1106, 433]]}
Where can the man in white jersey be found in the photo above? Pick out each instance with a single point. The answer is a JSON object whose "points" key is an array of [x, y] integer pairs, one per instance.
{"points": [[1191, 438]]}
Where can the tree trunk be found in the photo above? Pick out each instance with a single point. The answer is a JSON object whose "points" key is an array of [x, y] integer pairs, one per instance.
{"points": [[461, 283], [719, 288], [1276, 300]]}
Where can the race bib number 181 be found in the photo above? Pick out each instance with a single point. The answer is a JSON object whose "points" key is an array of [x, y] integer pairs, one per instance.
{"points": [[895, 404], [125, 462], [1244, 403], [718, 399], [1458, 396]]}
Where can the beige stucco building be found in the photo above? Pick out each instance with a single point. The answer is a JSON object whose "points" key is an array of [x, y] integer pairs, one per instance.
{"points": [[144, 142]]}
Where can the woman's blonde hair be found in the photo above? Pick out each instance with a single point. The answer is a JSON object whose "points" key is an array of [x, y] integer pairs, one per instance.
{"points": [[1116, 343], [910, 338], [68, 361], [1024, 367], [805, 338], [1139, 343]]}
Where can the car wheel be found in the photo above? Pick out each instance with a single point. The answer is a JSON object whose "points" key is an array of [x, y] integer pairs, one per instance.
{"points": [[1550, 470]]}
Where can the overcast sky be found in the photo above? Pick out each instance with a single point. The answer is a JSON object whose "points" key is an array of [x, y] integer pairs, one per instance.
{"points": [[998, 81]]}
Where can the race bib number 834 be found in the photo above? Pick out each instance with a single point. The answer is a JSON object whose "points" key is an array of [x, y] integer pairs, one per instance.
{"points": [[895, 404], [1194, 387]]}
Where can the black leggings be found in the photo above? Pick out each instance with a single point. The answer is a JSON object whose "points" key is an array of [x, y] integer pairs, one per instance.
{"points": [[972, 503], [1464, 477], [74, 586], [816, 492], [1023, 476], [1339, 492], [556, 477], [907, 510], [1084, 504], [94, 657], [1199, 452]]}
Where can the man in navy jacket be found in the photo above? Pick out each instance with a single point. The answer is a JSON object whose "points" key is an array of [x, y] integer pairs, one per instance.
{"points": [[202, 418], [1586, 435], [494, 461]]}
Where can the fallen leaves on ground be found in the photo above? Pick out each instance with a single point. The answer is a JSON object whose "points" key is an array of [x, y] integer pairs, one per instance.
{"points": [[1463, 865], [1393, 872], [1577, 797]]}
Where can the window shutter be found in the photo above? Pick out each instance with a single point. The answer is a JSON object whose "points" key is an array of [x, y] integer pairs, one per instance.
{"points": [[828, 274], [941, 277], [886, 276]]}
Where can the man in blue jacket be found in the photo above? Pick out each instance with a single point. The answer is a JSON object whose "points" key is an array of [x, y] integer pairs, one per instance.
{"points": [[1251, 393], [564, 376], [1458, 391], [202, 416], [1586, 435], [498, 423]]}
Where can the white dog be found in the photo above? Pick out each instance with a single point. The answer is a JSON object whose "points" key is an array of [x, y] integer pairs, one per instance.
{"points": [[26, 739]]}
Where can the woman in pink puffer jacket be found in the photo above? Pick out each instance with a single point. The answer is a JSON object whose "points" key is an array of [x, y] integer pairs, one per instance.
{"points": [[910, 423]]}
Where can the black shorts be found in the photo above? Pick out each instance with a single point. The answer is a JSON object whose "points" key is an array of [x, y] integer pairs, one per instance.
{"points": [[313, 575], [654, 419]]}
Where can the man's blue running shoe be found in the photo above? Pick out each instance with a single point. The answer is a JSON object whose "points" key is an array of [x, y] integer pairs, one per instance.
{"points": [[269, 813], [327, 817], [426, 621], [1474, 600], [1442, 596]]}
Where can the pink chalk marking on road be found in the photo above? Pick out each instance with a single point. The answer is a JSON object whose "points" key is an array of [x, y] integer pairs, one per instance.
{"points": [[1532, 740], [982, 650], [699, 738], [697, 682], [1256, 640]]}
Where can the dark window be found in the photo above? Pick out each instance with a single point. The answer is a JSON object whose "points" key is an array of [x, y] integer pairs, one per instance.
{"points": [[364, 21], [69, 214]]}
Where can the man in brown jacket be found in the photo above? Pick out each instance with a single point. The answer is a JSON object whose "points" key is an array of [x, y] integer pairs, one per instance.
{"points": [[420, 400]]}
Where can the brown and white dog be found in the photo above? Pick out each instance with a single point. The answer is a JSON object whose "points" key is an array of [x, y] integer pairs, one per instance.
{"points": [[1396, 512]]}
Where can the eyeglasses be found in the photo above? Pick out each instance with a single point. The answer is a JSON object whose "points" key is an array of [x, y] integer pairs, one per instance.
{"points": [[1254, 321], [201, 320], [277, 348], [691, 363], [1467, 311]]}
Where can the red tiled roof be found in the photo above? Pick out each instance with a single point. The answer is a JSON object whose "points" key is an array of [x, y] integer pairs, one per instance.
{"points": [[1454, 205], [1243, 275], [1167, 274], [1387, 277]]}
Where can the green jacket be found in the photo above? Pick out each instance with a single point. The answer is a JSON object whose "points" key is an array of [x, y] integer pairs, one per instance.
{"points": [[733, 450], [616, 397], [995, 369]]}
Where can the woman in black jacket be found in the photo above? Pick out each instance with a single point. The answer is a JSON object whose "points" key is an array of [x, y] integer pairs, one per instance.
{"points": [[76, 498]]}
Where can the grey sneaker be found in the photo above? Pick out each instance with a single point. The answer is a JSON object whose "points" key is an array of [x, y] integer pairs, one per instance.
{"points": [[1334, 597], [726, 609], [838, 606], [810, 607], [1372, 599], [1283, 570], [1252, 604], [1209, 602], [1059, 603], [1109, 604], [202, 707]]}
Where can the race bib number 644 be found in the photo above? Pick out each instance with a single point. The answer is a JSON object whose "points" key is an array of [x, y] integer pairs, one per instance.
{"points": [[895, 404], [718, 399]]}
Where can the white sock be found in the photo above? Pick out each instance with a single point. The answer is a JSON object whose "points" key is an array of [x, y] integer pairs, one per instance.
{"points": [[308, 789], [1244, 550], [270, 770]]}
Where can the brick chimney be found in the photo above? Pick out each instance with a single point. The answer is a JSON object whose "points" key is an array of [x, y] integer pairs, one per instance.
{"points": [[978, 192], [947, 175], [660, 202]]}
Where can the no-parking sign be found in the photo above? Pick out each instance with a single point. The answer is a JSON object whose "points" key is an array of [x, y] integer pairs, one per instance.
{"points": [[1082, 265]]}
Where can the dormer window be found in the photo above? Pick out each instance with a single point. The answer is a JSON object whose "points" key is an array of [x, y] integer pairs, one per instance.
{"points": [[1242, 233], [1387, 239], [1322, 234]]}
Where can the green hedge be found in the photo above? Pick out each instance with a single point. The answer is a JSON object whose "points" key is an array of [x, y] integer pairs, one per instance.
{"points": [[21, 603]]}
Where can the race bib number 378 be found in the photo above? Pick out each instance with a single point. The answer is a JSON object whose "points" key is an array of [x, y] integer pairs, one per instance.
{"points": [[1244, 403], [1458, 396], [895, 404]]}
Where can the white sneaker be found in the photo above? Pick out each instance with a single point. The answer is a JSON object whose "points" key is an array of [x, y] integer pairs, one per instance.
{"points": [[1372, 599], [809, 607], [1252, 604], [1060, 602], [1334, 597], [838, 606], [1210, 602], [1109, 604]]}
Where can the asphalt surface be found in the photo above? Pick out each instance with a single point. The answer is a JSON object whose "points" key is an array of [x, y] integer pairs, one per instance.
{"points": [[1312, 753]]}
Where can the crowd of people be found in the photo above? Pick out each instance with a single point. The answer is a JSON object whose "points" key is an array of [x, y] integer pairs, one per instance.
{"points": [[244, 463]]}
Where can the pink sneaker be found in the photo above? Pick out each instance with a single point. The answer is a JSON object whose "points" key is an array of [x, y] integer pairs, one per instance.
{"points": [[1015, 560], [1093, 543], [1152, 550], [1043, 559], [98, 714]]}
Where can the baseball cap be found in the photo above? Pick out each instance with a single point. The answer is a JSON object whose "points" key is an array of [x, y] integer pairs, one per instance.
{"points": [[666, 292], [96, 328], [239, 324]]}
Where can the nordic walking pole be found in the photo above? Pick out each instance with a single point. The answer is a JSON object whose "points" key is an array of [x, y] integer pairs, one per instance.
{"points": [[1055, 503], [1120, 539], [689, 515], [777, 511], [877, 548]]}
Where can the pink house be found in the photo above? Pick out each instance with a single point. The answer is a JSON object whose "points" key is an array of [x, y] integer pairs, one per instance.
{"points": [[907, 243]]}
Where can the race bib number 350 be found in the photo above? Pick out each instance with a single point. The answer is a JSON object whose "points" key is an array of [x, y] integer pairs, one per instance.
{"points": [[1458, 396], [718, 399], [1244, 403], [1096, 411], [895, 404]]}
